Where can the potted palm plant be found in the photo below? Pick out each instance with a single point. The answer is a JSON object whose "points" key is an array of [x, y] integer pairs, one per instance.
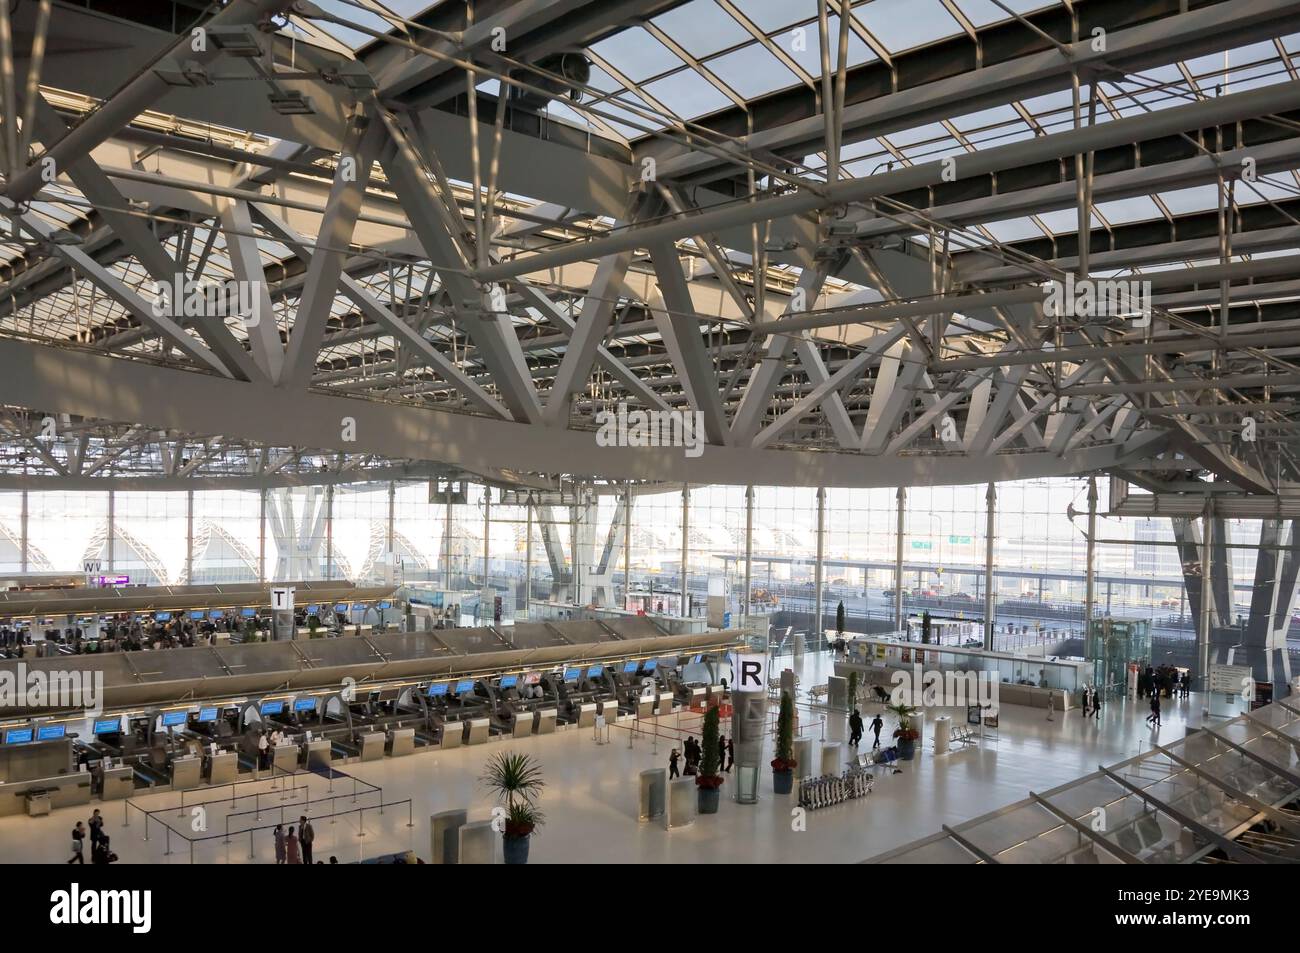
{"points": [[783, 764], [905, 734], [516, 780], [709, 780]]}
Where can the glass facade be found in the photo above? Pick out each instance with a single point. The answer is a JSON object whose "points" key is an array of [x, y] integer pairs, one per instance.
{"points": [[372, 533]]}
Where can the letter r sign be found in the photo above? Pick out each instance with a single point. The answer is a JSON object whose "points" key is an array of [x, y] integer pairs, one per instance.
{"points": [[750, 673]]}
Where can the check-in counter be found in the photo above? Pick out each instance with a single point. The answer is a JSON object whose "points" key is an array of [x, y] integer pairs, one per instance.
{"points": [[371, 744], [546, 721], [119, 782], [286, 757], [697, 696], [645, 706], [319, 753], [66, 790], [479, 729], [587, 715], [524, 724], [401, 741], [609, 709], [665, 703], [223, 767], [716, 693], [453, 734], [187, 772]]}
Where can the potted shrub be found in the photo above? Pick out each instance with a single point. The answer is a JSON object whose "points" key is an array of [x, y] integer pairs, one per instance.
{"points": [[905, 734], [839, 619], [313, 625], [783, 764], [516, 780], [709, 780]]}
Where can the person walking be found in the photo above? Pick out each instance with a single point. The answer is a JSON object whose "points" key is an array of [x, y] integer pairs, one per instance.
{"points": [[305, 837], [1051, 705], [78, 842], [96, 825], [855, 728], [673, 758], [1155, 711], [731, 752], [876, 724], [291, 848], [1096, 704], [279, 843]]}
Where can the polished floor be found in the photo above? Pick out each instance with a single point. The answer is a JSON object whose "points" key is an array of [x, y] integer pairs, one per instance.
{"points": [[590, 800]]}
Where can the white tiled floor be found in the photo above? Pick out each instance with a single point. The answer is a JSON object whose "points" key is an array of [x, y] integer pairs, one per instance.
{"points": [[591, 794]]}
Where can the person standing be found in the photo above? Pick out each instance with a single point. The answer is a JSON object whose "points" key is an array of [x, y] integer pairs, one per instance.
{"points": [[673, 758], [263, 751], [731, 752], [876, 724], [96, 825], [1096, 704], [279, 843], [305, 837], [855, 728], [291, 849], [78, 842], [1155, 711], [1051, 705]]}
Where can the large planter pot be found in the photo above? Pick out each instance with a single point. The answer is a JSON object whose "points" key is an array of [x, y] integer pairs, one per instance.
{"points": [[782, 782], [906, 749], [709, 798], [515, 849]]}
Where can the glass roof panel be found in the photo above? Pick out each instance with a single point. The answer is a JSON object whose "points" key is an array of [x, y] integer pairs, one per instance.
{"points": [[687, 93], [981, 12], [752, 71], [805, 48], [904, 24], [636, 54], [773, 15], [701, 27]]}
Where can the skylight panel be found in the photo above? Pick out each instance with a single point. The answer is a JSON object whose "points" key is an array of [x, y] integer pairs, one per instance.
{"points": [[905, 24], [701, 28], [636, 54], [752, 71]]}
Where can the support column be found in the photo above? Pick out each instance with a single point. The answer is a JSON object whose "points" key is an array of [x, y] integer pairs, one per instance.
{"points": [[686, 539], [329, 531], [1090, 592], [446, 541], [392, 524], [627, 542], [189, 537], [900, 533], [1205, 623], [991, 502], [487, 532], [261, 536], [749, 548], [575, 575], [112, 531], [23, 545], [528, 561], [819, 572]]}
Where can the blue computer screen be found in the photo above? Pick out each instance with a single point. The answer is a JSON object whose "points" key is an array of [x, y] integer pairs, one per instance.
{"points": [[465, 685], [108, 726], [51, 732], [16, 736], [385, 605], [630, 667], [651, 665], [439, 689], [304, 704], [509, 681], [207, 714], [162, 616], [572, 674], [171, 718], [248, 613], [271, 708], [696, 660], [595, 671], [197, 615]]}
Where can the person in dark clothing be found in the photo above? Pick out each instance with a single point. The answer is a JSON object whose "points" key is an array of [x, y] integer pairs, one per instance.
{"points": [[855, 728], [876, 724], [1153, 719], [673, 758], [96, 829], [101, 853], [305, 836], [78, 841], [1096, 703], [731, 752]]}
